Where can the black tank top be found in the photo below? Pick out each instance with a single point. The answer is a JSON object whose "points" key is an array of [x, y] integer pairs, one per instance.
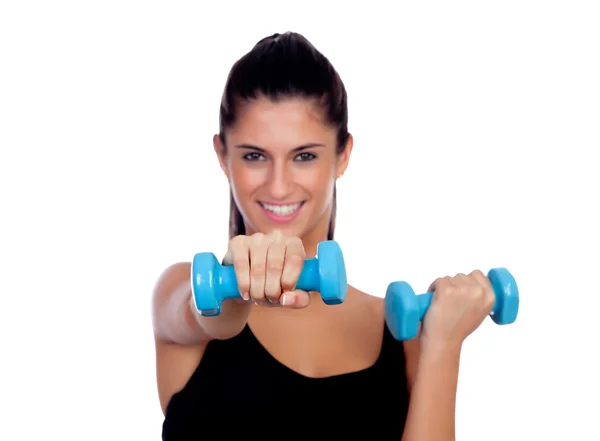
{"points": [[240, 390]]}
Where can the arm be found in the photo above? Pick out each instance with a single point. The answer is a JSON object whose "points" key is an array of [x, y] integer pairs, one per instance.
{"points": [[432, 374], [176, 320], [181, 334], [459, 306]]}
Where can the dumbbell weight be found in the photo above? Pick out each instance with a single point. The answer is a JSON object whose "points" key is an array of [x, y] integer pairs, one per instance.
{"points": [[404, 310], [213, 283]]}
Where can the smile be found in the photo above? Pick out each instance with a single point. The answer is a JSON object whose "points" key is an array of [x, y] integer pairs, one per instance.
{"points": [[281, 213]]}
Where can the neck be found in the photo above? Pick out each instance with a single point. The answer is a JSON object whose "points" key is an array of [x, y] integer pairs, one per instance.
{"points": [[317, 235], [311, 244]]}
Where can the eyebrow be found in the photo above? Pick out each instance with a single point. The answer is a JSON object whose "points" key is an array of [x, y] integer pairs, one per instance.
{"points": [[297, 149]]}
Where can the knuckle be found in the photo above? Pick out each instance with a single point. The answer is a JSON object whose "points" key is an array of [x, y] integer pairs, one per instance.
{"points": [[444, 288], [448, 291], [446, 282], [276, 235], [296, 243], [240, 262], [274, 266], [478, 293], [482, 295], [257, 270], [295, 261], [238, 241], [233, 250], [476, 273]]}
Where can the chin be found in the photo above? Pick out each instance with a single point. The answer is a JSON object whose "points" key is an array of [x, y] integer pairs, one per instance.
{"points": [[291, 230]]}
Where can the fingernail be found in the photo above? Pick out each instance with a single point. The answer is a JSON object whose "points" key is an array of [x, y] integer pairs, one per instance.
{"points": [[246, 296], [287, 300]]}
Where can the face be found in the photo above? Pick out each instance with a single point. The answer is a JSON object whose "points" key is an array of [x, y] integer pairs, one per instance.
{"points": [[282, 164]]}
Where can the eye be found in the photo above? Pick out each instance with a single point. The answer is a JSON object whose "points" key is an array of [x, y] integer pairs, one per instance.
{"points": [[305, 156], [254, 156]]}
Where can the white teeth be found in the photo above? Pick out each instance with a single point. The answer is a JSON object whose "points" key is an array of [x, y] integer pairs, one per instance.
{"points": [[281, 210]]}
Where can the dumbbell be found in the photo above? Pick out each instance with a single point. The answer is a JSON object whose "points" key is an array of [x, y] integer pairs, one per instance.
{"points": [[404, 310], [213, 283]]}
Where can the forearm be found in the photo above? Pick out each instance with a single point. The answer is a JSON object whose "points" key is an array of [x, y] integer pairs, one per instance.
{"points": [[229, 323], [431, 413], [176, 319]]}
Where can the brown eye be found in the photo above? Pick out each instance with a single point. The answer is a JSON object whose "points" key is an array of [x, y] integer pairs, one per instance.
{"points": [[254, 156], [305, 156]]}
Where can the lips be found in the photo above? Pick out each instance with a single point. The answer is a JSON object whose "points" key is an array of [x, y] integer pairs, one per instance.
{"points": [[281, 212]]}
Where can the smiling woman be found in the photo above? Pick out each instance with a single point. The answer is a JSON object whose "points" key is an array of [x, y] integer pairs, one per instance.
{"points": [[277, 353], [295, 166], [285, 108], [282, 163]]}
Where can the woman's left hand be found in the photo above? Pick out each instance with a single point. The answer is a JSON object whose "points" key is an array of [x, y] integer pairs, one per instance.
{"points": [[458, 306]]}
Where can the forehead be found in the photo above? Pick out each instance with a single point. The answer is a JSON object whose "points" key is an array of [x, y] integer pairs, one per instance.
{"points": [[287, 123]]}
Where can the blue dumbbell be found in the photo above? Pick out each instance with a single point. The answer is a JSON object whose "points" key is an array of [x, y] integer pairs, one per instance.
{"points": [[404, 310], [212, 283]]}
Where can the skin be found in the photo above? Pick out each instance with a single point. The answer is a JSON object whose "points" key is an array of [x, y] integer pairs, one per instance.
{"points": [[283, 152]]}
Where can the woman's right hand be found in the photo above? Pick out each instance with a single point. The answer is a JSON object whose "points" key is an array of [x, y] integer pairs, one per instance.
{"points": [[267, 268]]}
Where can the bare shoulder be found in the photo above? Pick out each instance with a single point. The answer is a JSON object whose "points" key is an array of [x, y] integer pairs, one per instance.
{"points": [[170, 277], [168, 282], [374, 307]]}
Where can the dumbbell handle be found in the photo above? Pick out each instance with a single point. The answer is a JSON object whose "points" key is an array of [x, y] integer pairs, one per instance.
{"points": [[308, 280], [424, 302]]}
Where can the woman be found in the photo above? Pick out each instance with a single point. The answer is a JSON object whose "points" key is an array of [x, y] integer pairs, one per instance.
{"points": [[279, 362]]}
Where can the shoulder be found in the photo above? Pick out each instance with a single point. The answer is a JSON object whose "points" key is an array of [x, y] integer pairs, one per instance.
{"points": [[167, 281], [172, 274], [372, 308]]}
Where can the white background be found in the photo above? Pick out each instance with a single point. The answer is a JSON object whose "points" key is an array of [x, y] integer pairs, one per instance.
{"points": [[477, 130]]}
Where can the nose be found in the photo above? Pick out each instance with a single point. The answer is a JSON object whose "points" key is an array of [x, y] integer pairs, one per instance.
{"points": [[280, 181]]}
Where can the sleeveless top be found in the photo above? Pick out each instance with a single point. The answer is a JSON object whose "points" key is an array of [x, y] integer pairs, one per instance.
{"points": [[240, 390]]}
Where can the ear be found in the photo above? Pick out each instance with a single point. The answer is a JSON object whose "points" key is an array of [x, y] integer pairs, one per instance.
{"points": [[344, 158], [221, 154]]}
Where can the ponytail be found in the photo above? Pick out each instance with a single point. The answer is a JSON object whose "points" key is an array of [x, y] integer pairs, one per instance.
{"points": [[331, 230], [236, 220]]}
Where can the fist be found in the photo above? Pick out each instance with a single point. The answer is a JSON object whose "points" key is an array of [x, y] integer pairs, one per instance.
{"points": [[267, 268], [459, 305]]}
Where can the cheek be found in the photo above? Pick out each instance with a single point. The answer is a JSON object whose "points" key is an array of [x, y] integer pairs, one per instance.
{"points": [[319, 182], [245, 179]]}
